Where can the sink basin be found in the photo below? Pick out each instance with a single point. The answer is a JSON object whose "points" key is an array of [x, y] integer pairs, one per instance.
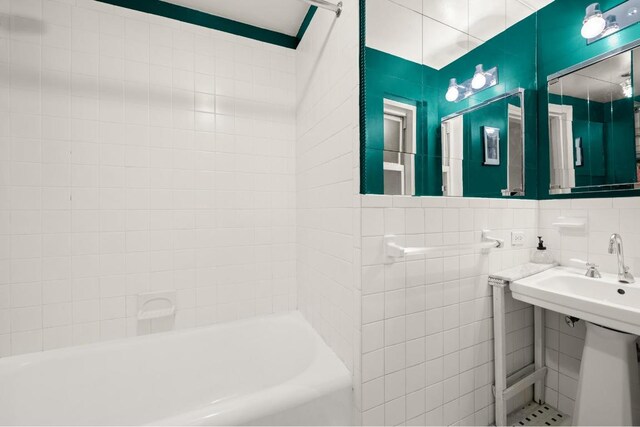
{"points": [[603, 301]]}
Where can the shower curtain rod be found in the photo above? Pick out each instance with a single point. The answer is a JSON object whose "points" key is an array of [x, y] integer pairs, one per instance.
{"points": [[324, 4]]}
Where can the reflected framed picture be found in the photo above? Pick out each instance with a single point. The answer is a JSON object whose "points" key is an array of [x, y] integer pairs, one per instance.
{"points": [[491, 138], [579, 154]]}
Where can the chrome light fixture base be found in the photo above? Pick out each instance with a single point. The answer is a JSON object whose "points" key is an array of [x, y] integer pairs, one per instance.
{"points": [[324, 4], [616, 19], [466, 88]]}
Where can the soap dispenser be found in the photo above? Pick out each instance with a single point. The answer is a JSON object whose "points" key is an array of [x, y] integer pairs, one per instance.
{"points": [[540, 254]]}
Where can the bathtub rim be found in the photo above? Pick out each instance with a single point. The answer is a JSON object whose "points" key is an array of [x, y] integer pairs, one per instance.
{"points": [[326, 374]]}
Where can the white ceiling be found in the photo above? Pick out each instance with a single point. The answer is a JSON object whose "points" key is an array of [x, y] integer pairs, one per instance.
{"points": [[283, 16], [437, 32], [599, 82]]}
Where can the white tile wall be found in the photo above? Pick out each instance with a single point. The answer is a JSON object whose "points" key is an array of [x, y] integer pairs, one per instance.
{"points": [[327, 179], [604, 216], [427, 330], [437, 32], [138, 154], [426, 323]]}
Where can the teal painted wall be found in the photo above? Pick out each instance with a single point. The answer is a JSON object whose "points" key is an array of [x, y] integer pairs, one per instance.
{"points": [[388, 76], [560, 46], [588, 124], [526, 53], [484, 180], [391, 77], [513, 51], [608, 139], [620, 141]]}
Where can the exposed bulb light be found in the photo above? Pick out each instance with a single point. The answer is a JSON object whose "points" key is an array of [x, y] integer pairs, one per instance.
{"points": [[479, 78], [598, 24], [627, 88], [480, 81], [593, 23], [453, 92], [611, 27]]}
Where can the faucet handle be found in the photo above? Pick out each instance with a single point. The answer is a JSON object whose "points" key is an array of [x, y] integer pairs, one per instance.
{"points": [[592, 268], [627, 277]]}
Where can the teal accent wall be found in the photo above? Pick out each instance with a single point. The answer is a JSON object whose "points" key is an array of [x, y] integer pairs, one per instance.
{"points": [[526, 53], [196, 17], [607, 131], [620, 141], [588, 124], [391, 77], [362, 96], [513, 51], [482, 180], [593, 170], [561, 46]]}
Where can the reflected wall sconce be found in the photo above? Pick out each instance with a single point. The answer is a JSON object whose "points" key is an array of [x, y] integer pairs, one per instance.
{"points": [[598, 24], [480, 81], [627, 88]]}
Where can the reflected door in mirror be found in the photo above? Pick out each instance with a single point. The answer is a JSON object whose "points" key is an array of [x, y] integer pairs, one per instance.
{"points": [[399, 148]]}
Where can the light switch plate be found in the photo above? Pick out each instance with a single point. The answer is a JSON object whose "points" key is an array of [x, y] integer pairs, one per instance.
{"points": [[517, 238]]}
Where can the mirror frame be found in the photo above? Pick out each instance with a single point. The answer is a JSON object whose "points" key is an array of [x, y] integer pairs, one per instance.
{"points": [[520, 92], [552, 78]]}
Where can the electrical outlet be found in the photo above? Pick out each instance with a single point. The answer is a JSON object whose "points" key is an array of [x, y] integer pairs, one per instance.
{"points": [[517, 238]]}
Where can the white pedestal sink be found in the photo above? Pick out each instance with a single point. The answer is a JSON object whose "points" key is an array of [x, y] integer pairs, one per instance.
{"points": [[609, 385]]}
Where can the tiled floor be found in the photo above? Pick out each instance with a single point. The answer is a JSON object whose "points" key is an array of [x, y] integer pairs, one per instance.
{"points": [[534, 414]]}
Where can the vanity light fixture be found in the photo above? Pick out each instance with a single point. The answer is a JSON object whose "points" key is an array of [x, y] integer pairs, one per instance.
{"points": [[611, 26], [480, 81], [593, 23], [598, 24]]}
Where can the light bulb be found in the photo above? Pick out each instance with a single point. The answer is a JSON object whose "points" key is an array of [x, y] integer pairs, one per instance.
{"points": [[479, 78], [627, 88], [593, 23], [611, 27], [452, 93]]}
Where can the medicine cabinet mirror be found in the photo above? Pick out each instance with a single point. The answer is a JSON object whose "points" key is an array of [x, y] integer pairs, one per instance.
{"points": [[483, 148], [413, 60], [594, 124]]}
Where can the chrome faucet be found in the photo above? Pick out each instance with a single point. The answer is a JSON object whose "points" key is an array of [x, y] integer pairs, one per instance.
{"points": [[615, 246], [592, 271]]}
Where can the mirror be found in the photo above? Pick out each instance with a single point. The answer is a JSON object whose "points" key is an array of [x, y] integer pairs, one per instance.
{"points": [[483, 149], [594, 125], [415, 55]]}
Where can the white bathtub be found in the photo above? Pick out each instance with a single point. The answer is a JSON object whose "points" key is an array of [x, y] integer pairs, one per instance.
{"points": [[273, 370]]}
